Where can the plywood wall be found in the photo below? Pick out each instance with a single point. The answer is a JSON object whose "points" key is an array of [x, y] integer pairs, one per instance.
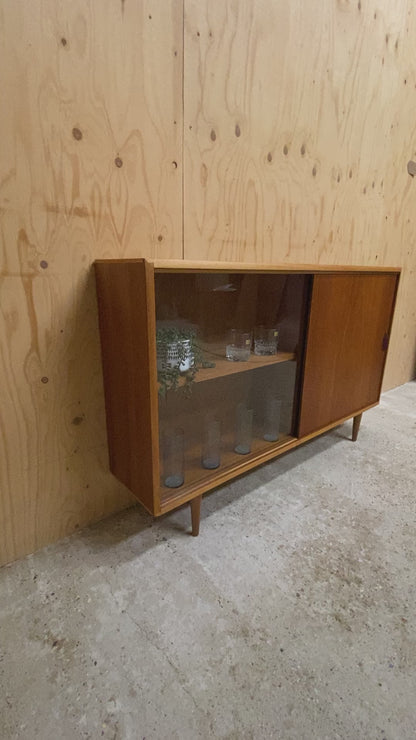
{"points": [[90, 166], [299, 121]]}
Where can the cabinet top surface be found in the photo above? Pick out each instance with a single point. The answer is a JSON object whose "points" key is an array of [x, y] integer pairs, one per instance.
{"points": [[205, 266]]}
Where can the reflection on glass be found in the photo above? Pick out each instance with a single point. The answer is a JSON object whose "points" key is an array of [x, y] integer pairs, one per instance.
{"points": [[173, 458], [211, 443], [272, 420], [228, 318], [243, 430]]}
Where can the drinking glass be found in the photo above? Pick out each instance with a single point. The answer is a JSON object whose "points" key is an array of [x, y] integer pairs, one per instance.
{"points": [[173, 458], [238, 346], [272, 420], [243, 429], [265, 340], [211, 444]]}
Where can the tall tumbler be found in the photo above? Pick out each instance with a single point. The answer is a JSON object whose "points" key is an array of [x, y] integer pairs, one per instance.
{"points": [[211, 444], [272, 420], [243, 429], [173, 458]]}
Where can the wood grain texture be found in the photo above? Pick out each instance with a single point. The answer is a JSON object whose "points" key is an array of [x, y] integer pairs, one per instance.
{"points": [[347, 342], [196, 514], [356, 427], [299, 121], [183, 266], [90, 166], [126, 305]]}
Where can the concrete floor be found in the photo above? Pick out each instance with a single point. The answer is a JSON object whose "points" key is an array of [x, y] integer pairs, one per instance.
{"points": [[292, 616]]}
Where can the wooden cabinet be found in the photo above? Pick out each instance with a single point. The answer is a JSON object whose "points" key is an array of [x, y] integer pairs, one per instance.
{"points": [[213, 369]]}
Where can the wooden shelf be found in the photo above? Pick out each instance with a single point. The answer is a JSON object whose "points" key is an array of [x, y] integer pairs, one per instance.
{"points": [[224, 367], [232, 464]]}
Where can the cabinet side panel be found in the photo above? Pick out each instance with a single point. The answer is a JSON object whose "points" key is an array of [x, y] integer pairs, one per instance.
{"points": [[126, 310], [347, 341]]}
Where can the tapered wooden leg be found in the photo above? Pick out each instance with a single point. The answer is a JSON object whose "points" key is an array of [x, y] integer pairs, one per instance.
{"points": [[356, 426], [196, 515]]}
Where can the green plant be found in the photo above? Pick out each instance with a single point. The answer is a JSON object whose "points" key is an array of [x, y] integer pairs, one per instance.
{"points": [[177, 346]]}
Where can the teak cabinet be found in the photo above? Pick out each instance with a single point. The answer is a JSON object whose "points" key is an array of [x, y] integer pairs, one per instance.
{"points": [[182, 418]]}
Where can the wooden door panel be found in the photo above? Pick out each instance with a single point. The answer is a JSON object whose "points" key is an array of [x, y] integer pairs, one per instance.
{"points": [[347, 342]]}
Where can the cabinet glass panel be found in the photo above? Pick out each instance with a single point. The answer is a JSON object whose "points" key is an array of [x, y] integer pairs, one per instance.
{"points": [[229, 348]]}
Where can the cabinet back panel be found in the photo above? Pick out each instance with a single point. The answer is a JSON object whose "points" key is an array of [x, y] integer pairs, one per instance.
{"points": [[215, 302]]}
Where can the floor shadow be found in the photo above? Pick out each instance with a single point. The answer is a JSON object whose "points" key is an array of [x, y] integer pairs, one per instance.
{"points": [[133, 531], [247, 483]]}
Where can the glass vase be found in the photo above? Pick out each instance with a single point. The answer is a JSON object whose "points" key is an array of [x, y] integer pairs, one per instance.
{"points": [[243, 429], [272, 420], [211, 444], [173, 458]]}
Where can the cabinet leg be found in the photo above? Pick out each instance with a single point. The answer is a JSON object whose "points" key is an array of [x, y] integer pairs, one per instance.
{"points": [[196, 515], [356, 426]]}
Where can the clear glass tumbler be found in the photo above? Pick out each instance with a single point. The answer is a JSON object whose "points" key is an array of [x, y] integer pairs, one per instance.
{"points": [[243, 429], [211, 444], [173, 458], [265, 340], [238, 346], [272, 420]]}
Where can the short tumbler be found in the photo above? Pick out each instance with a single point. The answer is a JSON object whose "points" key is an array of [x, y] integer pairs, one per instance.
{"points": [[265, 341], [239, 346]]}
